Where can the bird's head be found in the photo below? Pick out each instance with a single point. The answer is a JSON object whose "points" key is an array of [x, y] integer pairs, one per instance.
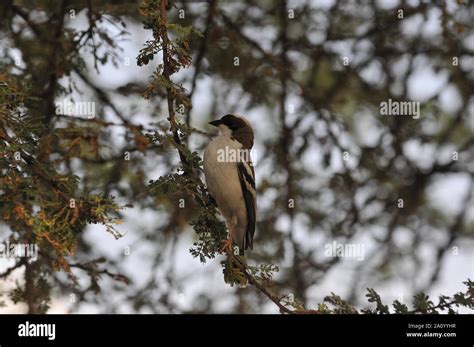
{"points": [[236, 126]]}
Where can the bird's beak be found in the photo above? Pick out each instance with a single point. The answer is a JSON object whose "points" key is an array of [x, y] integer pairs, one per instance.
{"points": [[216, 123]]}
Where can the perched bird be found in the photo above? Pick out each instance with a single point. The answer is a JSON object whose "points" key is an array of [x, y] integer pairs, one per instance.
{"points": [[230, 178]]}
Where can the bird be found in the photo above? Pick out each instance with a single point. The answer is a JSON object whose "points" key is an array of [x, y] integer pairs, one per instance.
{"points": [[230, 179]]}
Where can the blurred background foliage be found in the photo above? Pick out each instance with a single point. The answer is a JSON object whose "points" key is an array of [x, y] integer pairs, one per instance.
{"points": [[310, 75]]}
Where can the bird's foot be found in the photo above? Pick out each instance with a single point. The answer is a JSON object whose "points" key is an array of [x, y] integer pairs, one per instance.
{"points": [[227, 246]]}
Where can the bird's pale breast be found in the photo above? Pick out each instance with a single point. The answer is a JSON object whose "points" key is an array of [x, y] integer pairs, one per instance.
{"points": [[222, 179]]}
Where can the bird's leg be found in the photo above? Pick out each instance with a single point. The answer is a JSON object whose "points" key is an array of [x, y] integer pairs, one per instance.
{"points": [[226, 246], [229, 242]]}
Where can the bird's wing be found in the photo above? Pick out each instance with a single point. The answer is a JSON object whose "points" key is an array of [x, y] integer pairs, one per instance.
{"points": [[247, 182]]}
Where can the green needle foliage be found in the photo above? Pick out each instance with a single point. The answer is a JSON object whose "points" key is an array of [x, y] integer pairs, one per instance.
{"points": [[40, 204]]}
